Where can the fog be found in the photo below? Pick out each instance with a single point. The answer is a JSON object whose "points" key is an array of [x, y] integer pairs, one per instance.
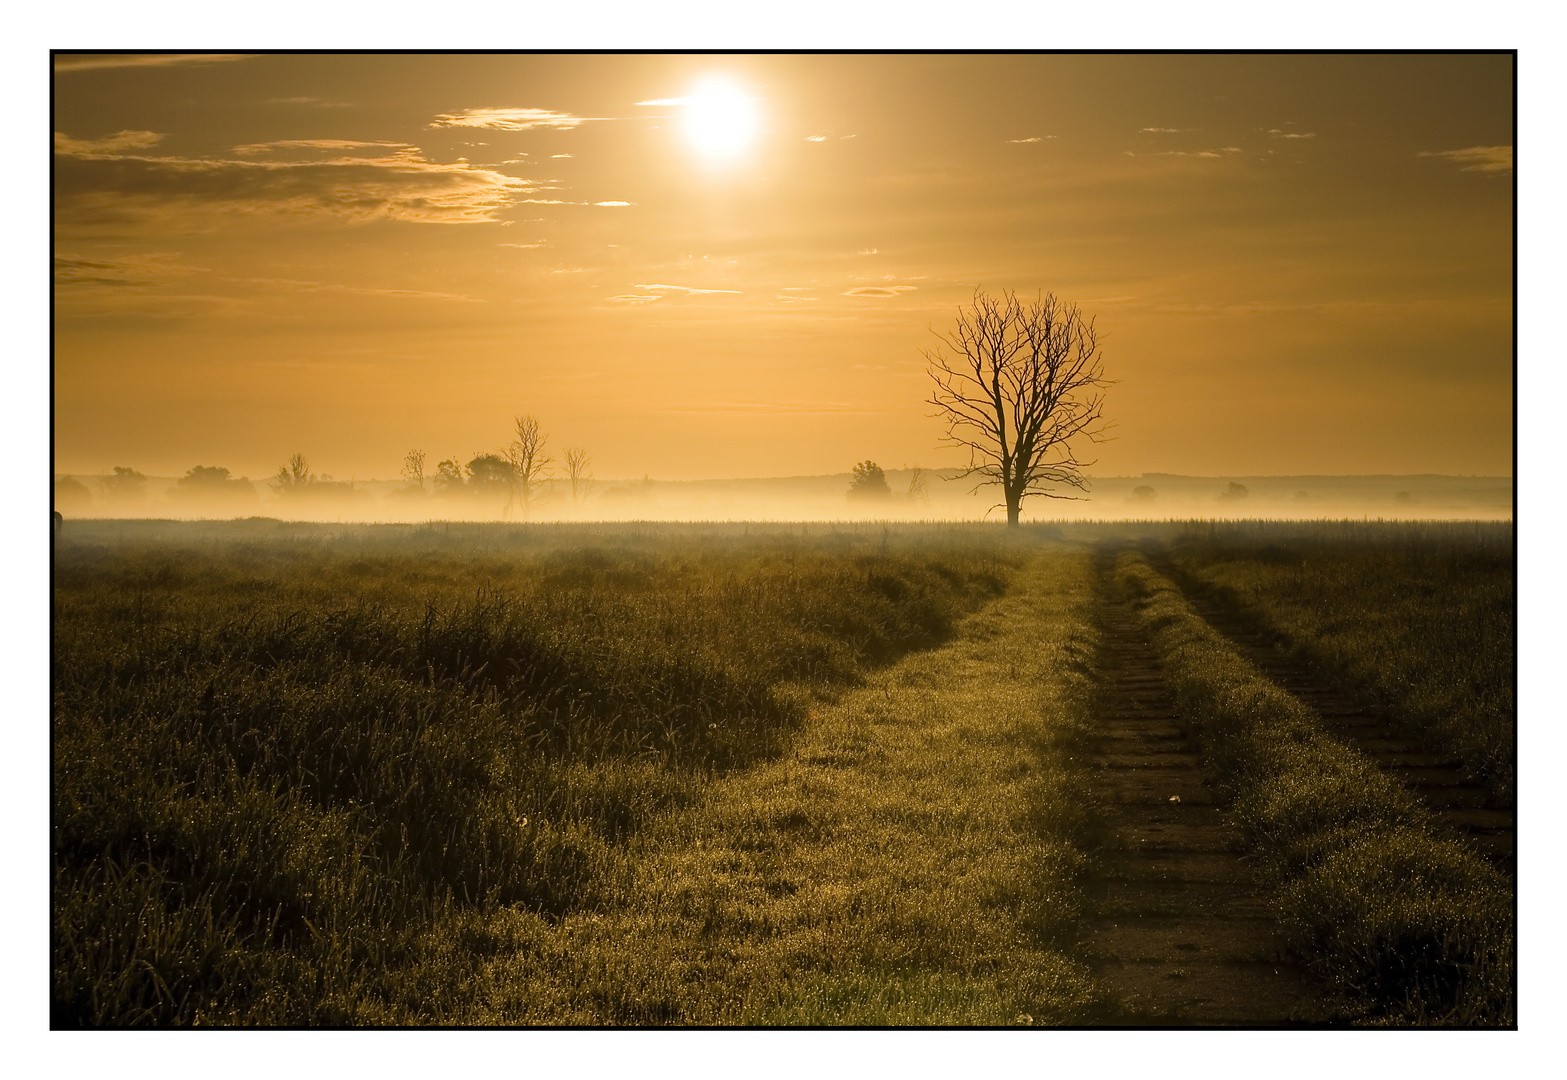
{"points": [[910, 495]]}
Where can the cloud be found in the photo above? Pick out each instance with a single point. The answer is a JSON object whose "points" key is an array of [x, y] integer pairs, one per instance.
{"points": [[880, 290], [1492, 159], [868, 251], [1278, 133], [1168, 131], [1031, 138], [90, 62], [686, 289], [116, 272], [666, 101], [152, 271], [404, 186], [313, 102], [560, 155], [113, 144], [322, 144], [614, 202], [797, 299], [816, 138], [510, 119], [637, 298]]}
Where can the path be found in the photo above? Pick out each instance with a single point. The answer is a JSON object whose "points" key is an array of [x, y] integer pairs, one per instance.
{"points": [[1459, 802], [1177, 929]]}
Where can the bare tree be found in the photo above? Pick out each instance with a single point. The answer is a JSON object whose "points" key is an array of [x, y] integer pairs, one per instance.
{"points": [[578, 472], [1022, 382], [293, 477], [918, 488], [530, 464], [413, 469]]}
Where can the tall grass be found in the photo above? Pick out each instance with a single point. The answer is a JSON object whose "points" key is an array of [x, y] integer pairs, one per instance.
{"points": [[1421, 616], [1413, 927], [279, 759]]}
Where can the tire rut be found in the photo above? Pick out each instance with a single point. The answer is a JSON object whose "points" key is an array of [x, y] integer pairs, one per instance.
{"points": [[1176, 928], [1464, 806]]}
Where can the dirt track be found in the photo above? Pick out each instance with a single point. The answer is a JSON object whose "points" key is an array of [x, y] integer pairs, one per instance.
{"points": [[1177, 929], [1461, 803]]}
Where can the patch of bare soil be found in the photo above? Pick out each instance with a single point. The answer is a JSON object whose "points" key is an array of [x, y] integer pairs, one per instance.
{"points": [[1176, 927]]}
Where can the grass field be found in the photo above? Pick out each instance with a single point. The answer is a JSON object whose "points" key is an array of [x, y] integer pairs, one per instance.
{"points": [[281, 760], [1420, 616], [717, 774], [1412, 927]]}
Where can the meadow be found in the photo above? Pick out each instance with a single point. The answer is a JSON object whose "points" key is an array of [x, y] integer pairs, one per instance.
{"points": [[284, 754], [1418, 616], [719, 774]]}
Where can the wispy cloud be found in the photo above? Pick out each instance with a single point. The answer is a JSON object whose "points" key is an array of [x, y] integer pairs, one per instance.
{"points": [[154, 270], [637, 298], [1279, 133], [614, 202], [93, 61], [91, 185], [816, 138], [510, 119], [880, 290], [111, 144], [666, 101], [1167, 131], [685, 289], [1032, 139], [312, 102], [1495, 159], [323, 144]]}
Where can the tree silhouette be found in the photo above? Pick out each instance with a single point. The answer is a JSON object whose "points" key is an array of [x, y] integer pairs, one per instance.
{"points": [[293, 476], [1022, 382], [413, 470], [869, 483], [530, 464], [578, 472], [490, 474], [125, 485]]}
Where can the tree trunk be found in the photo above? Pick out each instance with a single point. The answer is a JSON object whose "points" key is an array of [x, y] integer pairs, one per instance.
{"points": [[1014, 502]]}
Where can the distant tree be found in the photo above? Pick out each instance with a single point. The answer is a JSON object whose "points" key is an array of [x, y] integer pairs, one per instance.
{"points": [[578, 472], [448, 478], [293, 476], [1143, 493], [869, 483], [1234, 493], [125, 486], [211, 487], [530, 463], [918, 490], [71, 494], [490, 475], [1023, 382], [413, 470]]}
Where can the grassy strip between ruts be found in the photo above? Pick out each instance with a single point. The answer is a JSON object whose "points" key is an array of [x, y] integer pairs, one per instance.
{"points": [[1414, 928], [911, 861]]}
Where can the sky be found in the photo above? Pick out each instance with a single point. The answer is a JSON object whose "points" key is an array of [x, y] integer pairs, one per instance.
{"points": [[707, 266]]}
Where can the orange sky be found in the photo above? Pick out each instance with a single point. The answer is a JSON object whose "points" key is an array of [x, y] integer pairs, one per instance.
{"points": [[1299, 264]]}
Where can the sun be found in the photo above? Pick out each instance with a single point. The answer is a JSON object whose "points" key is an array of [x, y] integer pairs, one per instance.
{"points": [[721, 119]]}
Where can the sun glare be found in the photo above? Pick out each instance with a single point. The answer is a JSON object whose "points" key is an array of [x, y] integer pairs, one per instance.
{"points": [[720, 119]]}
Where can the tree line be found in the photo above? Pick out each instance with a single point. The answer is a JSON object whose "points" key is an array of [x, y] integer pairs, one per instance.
{"points": [[518, 476]]}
